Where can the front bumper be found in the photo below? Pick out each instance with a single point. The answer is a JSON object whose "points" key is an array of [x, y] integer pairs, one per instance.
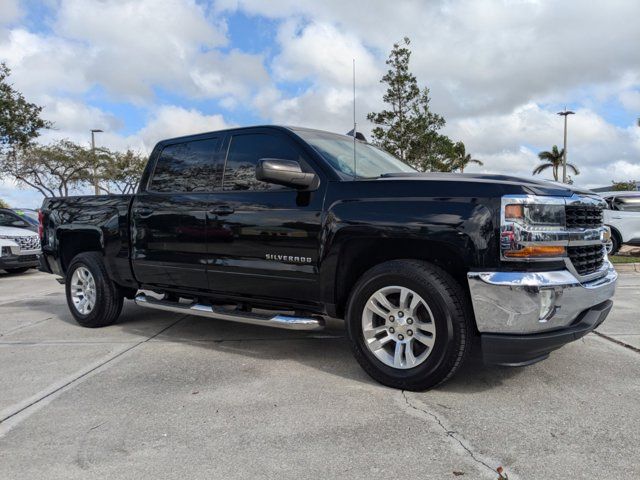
{"points": [[517, 312], [532, 302], [19, 261], [520, 350]]}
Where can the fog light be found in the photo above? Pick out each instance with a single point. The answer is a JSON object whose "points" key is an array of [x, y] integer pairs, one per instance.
{"points": [[548, 299], [6, 251]]}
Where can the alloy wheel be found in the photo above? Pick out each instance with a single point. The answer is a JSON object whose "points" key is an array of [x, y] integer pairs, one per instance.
{"points": [[83, 290], [398, 327]]}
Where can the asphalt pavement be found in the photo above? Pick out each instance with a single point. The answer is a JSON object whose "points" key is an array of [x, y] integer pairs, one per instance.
{"points": [[162, 395]]}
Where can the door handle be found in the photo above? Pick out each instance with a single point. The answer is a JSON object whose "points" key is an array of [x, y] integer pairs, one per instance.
{"points": [[222, 210]]}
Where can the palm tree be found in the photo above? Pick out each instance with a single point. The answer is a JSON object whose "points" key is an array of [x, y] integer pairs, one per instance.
{"points": [[459, 158], [553, 160]]}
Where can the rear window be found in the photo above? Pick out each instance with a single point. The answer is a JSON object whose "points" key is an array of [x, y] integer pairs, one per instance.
{"points": [[194, 166]]}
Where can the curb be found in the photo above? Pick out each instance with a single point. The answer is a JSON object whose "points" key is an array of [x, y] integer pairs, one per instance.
{"points": [[627, 267]]}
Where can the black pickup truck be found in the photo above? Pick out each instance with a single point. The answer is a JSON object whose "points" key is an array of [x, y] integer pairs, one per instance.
{"points": [[286, 227]]}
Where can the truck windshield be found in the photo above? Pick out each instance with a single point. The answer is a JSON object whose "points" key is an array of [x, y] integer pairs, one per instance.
{"points": [[337, 150]]}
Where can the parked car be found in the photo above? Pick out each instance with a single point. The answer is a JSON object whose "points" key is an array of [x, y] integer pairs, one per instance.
{"points": [[28, 214], [19, 249], [417, 264], [623, 217], [10, 218]]}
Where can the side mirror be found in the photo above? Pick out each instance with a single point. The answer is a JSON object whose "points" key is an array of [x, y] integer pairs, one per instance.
{"points": [[284, 172]]}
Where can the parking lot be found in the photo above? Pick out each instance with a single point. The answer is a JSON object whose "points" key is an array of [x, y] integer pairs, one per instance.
{"points": [[173, 396]]}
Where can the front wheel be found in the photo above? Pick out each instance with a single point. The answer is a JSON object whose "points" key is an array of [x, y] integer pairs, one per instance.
{"points": [[613, 245], [93, 299], [409, 324]]}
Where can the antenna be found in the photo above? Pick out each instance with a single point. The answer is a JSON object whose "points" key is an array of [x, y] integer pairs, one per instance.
{"points": [[355, 132]]}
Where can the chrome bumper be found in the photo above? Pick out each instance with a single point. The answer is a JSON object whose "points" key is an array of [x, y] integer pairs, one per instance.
{"points": [[531, 302]]}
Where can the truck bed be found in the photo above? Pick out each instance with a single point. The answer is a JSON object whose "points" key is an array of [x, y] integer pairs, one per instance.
{"points": [[99, 223]]}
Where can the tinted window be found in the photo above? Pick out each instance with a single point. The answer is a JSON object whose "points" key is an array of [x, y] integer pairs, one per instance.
{"points": [[244, 153], [188, 167]]}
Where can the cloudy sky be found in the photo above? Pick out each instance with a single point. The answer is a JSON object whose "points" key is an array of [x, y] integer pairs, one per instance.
{"points": [[498, 71]]}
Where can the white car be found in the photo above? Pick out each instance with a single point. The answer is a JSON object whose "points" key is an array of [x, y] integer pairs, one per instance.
{"points": [[623, 217], [19, 249]]}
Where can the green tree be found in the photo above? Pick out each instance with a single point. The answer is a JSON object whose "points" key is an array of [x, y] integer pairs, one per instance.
{"points": [[121, 171], [20, 120], [3, 204], [553, 160], [408, 129], [630, 185], [53, 170], [459, 159]]}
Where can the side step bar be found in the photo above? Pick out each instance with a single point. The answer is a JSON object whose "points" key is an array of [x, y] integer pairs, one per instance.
{"points": [[278, 321]]}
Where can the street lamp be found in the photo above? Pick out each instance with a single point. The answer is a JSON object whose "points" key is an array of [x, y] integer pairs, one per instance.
{"points": [[565, 113], [93, 152]]}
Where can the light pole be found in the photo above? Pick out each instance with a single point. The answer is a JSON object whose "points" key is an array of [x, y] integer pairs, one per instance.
{"points": [[93, 153], [565, 113]]}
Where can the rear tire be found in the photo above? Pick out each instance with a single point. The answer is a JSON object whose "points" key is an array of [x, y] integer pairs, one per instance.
{"points": [[93, 299], [433, 345]]}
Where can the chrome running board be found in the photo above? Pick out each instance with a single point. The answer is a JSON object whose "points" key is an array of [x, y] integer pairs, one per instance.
{"points": [[288, 322]]}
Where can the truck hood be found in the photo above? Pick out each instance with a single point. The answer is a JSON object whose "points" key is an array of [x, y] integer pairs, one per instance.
{"points": [[536, 187], [16, 232]]}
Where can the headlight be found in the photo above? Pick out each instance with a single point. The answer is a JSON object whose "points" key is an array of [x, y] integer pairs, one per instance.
{"points": [[532, 228], [536, 215]]}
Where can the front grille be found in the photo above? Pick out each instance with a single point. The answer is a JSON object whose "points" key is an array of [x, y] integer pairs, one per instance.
{"points": [[584, 216], [32, 242], [587, 259], [27, 258]]}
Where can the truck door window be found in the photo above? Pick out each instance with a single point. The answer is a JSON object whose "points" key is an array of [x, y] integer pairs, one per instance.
{"points": [[186, 167], [244, 153]]}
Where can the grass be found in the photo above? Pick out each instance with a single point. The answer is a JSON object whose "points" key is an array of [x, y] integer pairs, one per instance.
{"points": [[624, 259]]}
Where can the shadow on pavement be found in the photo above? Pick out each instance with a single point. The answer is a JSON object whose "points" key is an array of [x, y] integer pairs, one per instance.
{"points": [[327, 351]]}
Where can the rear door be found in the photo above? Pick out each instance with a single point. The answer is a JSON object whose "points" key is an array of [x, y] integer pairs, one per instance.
{"points": [[169, 218], [263, 238], [626, 216]]}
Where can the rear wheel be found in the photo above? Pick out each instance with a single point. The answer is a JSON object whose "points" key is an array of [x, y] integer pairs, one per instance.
{"points": [[409, 324], [93, 299]]}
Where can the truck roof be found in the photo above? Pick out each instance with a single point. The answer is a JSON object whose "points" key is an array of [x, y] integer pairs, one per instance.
{"points": [[289, 128]]}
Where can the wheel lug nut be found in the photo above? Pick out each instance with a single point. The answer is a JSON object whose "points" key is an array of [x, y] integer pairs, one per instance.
{"points": [[391, 318], [392, 330], [409, 321], [400, 337], [409, 332], [401, 314]]}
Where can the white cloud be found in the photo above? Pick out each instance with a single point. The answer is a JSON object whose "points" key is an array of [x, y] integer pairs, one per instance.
{"points": [[43, 64], [482, 56], [510, 142], [172, 121], [321, 52], [234, 76], [136, 44], [10, 11]]}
